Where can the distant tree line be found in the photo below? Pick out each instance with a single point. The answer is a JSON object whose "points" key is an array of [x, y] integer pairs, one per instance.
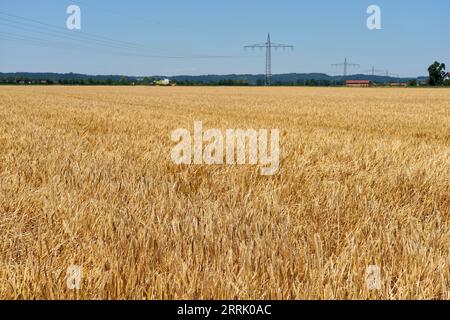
{"points": [[437, 77], [307, 83], [226, 82], [150, 81], [123, 81]]}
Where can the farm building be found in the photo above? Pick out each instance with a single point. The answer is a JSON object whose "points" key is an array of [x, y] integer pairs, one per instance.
{"points": [[358, 83]]}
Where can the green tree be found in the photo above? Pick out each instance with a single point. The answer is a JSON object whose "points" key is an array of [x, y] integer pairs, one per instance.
{"points": [[437, 74], [146, 80], [123, 81]]}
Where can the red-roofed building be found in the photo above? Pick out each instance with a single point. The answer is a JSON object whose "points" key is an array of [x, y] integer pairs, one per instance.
{"points": [[358, 83]]}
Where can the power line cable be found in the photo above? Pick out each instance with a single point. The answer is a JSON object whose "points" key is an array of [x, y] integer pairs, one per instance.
{"points": [[56, 34], [103, 40], [78, 32], [49, 44], [138, 18]]}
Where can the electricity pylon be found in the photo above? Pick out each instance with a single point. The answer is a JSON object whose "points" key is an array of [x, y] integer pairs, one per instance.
{"points": [[388, 74], [346, 64], [268, 46], [373, 71], [395, 75]]}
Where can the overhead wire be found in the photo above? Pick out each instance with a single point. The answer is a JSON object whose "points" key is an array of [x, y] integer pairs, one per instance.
{"points": [[93, 39]]}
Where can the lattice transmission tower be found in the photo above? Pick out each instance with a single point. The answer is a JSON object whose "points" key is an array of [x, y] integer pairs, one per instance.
{"points": [[345, 64], [373, 71], [268, 45], [388, 74]]}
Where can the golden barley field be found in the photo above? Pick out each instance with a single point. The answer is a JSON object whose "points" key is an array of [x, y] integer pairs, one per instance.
{"points": [[86, 179]]}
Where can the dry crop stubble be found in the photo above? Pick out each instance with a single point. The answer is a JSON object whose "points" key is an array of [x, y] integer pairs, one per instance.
{"points": [[87, 179]]}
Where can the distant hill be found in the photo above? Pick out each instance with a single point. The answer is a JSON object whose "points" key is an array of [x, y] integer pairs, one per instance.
{"points": [[250, 78], [59, 76], [288, 78]]}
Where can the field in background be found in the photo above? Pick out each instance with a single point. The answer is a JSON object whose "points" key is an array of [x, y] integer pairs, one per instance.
{"points": [[86, 179]]}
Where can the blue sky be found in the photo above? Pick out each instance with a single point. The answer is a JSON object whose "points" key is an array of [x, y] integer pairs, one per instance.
{"points": [[413, 35]]}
